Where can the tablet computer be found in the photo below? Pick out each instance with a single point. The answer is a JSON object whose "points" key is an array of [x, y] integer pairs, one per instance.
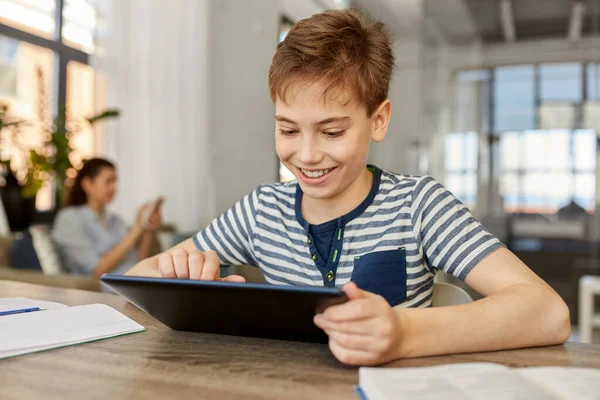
{"points": [[241, 309]]}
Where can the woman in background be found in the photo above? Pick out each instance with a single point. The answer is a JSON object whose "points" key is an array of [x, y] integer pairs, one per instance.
{"points": [[90, 239]]}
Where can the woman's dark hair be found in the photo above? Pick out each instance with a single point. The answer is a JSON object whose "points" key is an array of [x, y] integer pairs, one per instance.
{"points": [[90, 169]]}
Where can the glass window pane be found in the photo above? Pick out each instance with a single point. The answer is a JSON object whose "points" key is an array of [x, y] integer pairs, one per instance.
{"points": [[509, 189], [585, 150], [514, 98], [453, 159], [545, 193], [79, 24], [469, 196], [80, 104], [33, 16], [593, 82], [585, 190], [561, 82], [26, 73], [455, 184], [510, 150], [546, 149], [474, 75], [470, 150]]}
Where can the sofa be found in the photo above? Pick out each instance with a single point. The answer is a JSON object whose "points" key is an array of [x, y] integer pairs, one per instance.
{"points": [[63, 280]]}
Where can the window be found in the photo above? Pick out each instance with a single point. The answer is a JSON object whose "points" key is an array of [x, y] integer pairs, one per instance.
{"points": [[543, 123], [32, 16], [514, 98], [33, 37], [593, 82], [80, 102], [461, 166], [79, 24], [543, 170]]}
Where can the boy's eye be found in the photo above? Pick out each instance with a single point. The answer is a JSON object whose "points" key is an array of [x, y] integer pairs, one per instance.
{"points": [[286, 132], [334, 134]]}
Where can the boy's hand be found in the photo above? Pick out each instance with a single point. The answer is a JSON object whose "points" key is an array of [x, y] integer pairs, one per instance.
{"points": [[364, 331], [193, 265]]}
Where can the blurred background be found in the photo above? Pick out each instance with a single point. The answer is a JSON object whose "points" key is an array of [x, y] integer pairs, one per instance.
{"points": [[497, 99]]}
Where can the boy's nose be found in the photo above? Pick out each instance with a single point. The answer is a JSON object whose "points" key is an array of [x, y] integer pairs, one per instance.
{"points": [[309, 152]]}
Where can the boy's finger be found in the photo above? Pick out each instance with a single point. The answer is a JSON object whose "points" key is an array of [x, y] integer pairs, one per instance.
{"points": [[165, 266], [354, 292], [351, 356], [234, 278], [180, 261], [212, 266], [195, 264], [350, 341], [361, 327], [353, 310]]}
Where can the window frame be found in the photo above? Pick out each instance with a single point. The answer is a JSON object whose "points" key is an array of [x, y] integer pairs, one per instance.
{"points": [[62, 52]]}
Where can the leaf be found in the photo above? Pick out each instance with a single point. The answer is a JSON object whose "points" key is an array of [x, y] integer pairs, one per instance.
{"points": [[109, 113]]}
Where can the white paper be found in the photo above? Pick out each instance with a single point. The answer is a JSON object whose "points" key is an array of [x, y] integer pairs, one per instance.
{"points": [[18, 303], [567, 383], [42, 330], [457, 381]]}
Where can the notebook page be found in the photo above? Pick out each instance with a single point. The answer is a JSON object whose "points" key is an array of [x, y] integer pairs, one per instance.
{"points": [[456, 381], [23, 333], [568, 383], [15, 303]]}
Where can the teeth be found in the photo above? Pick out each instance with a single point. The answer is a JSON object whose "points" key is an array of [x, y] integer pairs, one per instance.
{"points": [[315, 174]]}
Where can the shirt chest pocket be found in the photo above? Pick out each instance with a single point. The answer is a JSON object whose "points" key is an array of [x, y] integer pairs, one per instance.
{"points": [[382, 273]]}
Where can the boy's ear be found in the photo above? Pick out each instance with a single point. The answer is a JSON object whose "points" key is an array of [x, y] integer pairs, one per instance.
{"points": [[381, 120]]}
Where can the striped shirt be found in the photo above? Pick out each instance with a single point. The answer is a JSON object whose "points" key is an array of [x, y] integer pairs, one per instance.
{"points": [[392, 244]]}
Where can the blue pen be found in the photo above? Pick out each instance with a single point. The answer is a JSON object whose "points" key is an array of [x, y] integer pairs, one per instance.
{"points": [[22, 310]]}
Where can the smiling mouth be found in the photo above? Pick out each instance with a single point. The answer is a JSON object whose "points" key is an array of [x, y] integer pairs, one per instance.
{"points": [[314, 174]]}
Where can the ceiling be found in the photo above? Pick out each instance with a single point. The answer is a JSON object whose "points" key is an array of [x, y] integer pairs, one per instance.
{"points": [[464, 21], [533, 19]]}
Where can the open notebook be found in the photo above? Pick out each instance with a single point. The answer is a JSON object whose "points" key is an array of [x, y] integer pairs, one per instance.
{"points": [[58, 326], [479, 381]]}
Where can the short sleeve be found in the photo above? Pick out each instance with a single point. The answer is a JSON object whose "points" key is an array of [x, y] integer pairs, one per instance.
{"points": [[230, 235], [74, 245], [449, 237]]}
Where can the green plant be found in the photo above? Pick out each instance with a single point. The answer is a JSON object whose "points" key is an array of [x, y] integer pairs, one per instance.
{"points": [[52, 159]]}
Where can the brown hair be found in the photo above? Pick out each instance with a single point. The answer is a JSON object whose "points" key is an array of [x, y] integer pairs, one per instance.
{"points": [[90, 169], [341, 50]]}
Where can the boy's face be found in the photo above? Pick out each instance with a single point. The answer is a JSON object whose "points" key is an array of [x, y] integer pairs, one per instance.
{"points": [[325, 143]]}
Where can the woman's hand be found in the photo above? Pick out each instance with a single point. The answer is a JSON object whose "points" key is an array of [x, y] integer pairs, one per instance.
{"points": [[154, 221], [139, 218]]}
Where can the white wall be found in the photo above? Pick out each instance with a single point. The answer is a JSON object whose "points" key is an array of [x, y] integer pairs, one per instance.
{"points": [[243, 39], [197, 123]]}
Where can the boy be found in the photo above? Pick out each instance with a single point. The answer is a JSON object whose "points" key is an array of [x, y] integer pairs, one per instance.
{"points": [[378, 235]]}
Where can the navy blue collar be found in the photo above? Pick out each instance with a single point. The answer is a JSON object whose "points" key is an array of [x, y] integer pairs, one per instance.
{"points": [[344, 219]]}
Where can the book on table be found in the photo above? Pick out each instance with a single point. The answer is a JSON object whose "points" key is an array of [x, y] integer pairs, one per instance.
{"points": [[479, 381], [56, 325]]}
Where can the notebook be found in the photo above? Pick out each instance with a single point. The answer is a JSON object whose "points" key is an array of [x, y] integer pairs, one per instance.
{"points": [[59, 326], [479, 381]]}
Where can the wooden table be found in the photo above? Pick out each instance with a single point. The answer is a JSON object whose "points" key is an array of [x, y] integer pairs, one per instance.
{"points": [[161, 363]]}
